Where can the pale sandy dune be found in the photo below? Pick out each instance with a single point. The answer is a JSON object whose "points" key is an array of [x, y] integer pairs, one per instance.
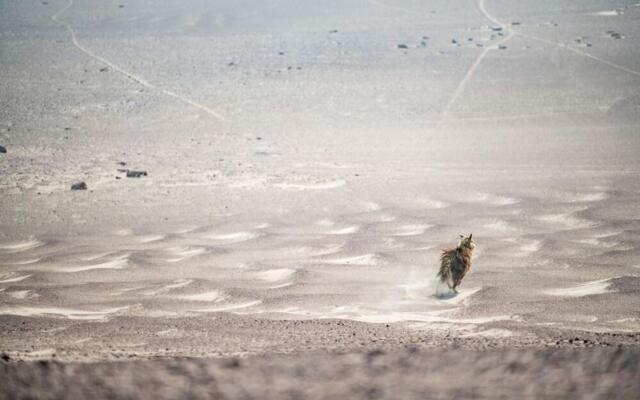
{"points": [[234, 237], [60, 311], [180, 283], [211, 296], [229, 307], [311, 185], [364, 259], [275, 275], [583, 289], [117, 263], [21, 245], [178, 254], [345, 231], [11, 278]]}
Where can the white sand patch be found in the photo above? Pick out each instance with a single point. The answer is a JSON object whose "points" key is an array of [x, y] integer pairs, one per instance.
{"points": [[26, 262], [345, 231], [150, 238], [93, 257], [275, 275], [590, 197], [59, 311], [282, 285], [182, 253], [325, 222], [123, 232], [364, 259], [263, 225], [235, 237], [21, 245], [608, 13], [117, 263], [431, 203], [10, 278], [500, 225], [229, 307], [212, 296], [167, 288], [491, 199], [412, 230], [311, 185], [22, 294], [371, 206], [583, 289], [531, 247], [567, 219], [598, 243], [493, 333], [323, 251]]}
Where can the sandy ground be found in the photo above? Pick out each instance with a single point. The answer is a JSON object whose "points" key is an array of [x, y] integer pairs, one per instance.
{"points": [[305, 164]]}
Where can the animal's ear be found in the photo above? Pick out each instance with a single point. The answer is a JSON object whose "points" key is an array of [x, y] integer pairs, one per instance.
{"points": [[471, 234]]}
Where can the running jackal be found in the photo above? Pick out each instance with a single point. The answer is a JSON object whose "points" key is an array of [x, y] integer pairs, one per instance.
{"points": [[456, 262]]}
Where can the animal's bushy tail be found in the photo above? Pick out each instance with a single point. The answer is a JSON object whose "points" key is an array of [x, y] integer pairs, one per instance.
{"points": [[444, 274]]}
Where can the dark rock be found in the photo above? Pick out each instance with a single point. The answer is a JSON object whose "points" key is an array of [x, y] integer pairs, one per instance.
{"points": [[233, 363], [502, 47], [136, 174], [3, 149], [122, 163], [403, 46], [79, 186], [5, 357], [104, 69], [333, 31]]}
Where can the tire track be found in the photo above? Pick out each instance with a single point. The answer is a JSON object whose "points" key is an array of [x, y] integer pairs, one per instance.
{"points": [[141, 81], [444, 116]]}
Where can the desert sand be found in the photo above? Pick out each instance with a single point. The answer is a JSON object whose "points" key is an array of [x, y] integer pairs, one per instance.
{"points": [[304, 164]]}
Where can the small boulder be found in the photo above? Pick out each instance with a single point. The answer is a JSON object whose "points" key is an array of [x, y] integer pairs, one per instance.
{"points": [[136, 174], [79, 186], [3, 149], [403, 46]]}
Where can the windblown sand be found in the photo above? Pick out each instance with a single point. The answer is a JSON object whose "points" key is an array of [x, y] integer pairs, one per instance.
{"points": [[307, 161]]}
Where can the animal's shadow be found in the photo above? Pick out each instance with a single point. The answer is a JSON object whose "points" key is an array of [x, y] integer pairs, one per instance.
{"points": [[446, 295]]}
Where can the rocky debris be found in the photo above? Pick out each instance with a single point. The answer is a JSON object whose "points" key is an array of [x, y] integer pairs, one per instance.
{"points": [[104, 69], [333, 31], [496, 28], [502, 47], [3, 149], [515, 23], [122, 163], [582, 41], [136, 174], [5, 357], [615, 35], [79, 186], [403, 46]]}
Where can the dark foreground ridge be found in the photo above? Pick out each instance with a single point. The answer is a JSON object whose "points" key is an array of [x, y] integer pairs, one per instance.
{"points": [[412, 373]]}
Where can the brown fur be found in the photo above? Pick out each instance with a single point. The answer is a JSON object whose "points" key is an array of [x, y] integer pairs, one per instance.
{"points": [[456, 262]]}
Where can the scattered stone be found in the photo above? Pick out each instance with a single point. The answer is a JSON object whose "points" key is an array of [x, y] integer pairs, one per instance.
{"points": [[231, 64], [453, 41], [258, 138], [5, 357], [502, 47], [121, 6], [403, 46], [104, 69], [281, 53], [79, 186], [233, 363], [122, 163], [136, 174], [333, 31], [496, 28], [3, 149], [515, 23]]}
